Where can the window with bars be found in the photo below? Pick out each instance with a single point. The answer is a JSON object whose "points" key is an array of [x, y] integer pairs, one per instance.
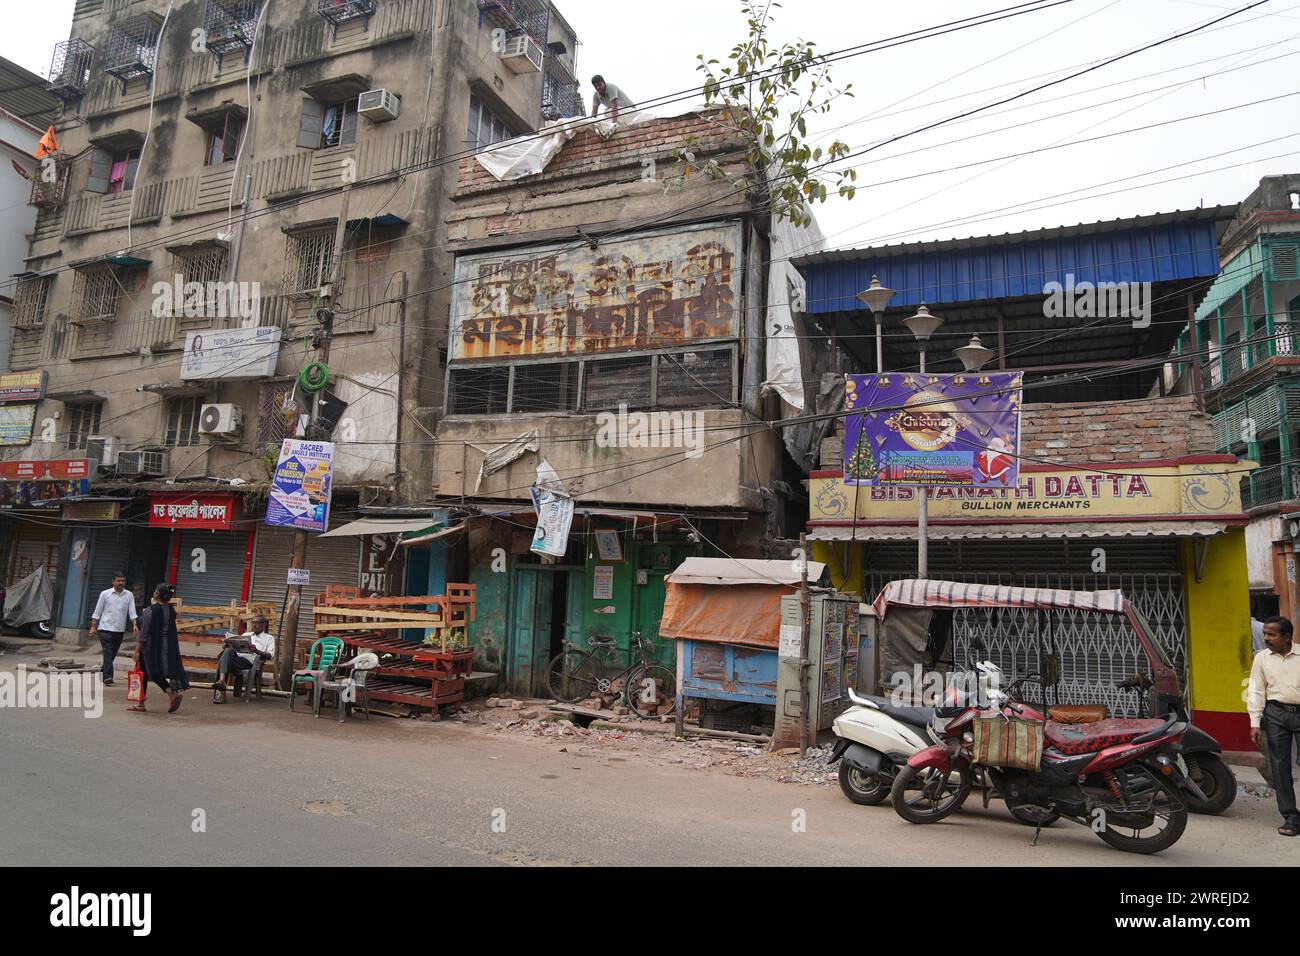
{"points": [[183, 422], [308, 257], [203, 265], [30, 297], [485, 128], [83, 421], [700, 378], [95, 293]]}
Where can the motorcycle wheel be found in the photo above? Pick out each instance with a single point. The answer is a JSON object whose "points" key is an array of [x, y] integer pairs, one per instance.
{"points": [[927, 796], [1215, 780], [867, 790], [1034, 818], [40, 630], [1166, 797]]}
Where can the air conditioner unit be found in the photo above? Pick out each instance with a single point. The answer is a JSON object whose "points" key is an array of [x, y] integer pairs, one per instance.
{"points": [[155, 462], [220, 421], [102, 449], [522, 54], [379, 106]]}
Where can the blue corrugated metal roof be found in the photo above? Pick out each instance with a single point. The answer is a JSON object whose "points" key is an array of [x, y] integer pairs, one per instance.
{"points": [[1015, 266]]}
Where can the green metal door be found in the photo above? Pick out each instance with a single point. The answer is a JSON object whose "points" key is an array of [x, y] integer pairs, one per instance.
{"points": [[573, 608], [649, 611], [530, 631]]}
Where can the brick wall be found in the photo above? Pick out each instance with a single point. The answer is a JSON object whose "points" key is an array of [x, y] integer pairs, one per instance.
{"points": [[589, 153], [1095, 432]]}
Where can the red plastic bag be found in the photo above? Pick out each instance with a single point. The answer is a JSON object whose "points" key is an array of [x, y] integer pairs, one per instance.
{"points": [[135, 686]]}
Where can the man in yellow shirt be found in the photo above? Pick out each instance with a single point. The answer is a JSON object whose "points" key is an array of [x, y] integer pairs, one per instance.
{"points": [[1273, 702]]}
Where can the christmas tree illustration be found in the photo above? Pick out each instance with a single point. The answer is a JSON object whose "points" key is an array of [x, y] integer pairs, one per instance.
{"points": [[862, 463]]}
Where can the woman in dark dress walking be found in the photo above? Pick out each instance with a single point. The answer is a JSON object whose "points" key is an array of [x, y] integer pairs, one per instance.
{"points": [[158, 652]]}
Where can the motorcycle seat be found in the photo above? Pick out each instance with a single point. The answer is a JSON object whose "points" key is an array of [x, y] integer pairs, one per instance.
{"points": [[1077, 713], [917, 716], [1074, 739]]}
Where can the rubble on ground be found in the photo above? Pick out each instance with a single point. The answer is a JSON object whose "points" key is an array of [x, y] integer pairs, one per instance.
{"points": [[614, 731]]}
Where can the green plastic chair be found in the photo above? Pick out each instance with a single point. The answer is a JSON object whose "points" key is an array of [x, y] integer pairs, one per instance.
{"points": [[321, 659]]}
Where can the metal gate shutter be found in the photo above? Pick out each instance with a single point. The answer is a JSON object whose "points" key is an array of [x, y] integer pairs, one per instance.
{"points": [[110, 550], [1097, 651], [330, 561], [222, 579], [38, 543]]}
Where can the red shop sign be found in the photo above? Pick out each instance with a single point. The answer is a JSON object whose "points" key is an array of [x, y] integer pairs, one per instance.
{"points": [[71, 469], [216, 512]]}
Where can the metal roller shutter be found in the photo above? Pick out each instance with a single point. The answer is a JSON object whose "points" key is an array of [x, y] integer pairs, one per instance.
{"points": [[110, 551], [330, 560], [222, 576], [38, 543]]}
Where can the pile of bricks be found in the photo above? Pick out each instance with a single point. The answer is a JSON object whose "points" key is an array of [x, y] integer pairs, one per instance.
{"points": [[588, 152]]}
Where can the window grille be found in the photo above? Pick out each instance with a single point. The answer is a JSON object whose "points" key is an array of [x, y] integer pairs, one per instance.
{"points": [[308, 257], [30, 297], [206, 266], [183, 422], [485, 128], [133, 48], [83, 421], [341, 11], [277, 415], [95, 293], [545, 387], [694, 379], [70, 69], [479, 391], [230, 26], [50, 193], [613, 382]]}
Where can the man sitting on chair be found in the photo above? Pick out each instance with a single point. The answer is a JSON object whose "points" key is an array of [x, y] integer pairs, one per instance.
{"points": [[261, 645]]}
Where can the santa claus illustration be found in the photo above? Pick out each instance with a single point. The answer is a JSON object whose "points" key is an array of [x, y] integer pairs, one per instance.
{"points": [[994, 462]]}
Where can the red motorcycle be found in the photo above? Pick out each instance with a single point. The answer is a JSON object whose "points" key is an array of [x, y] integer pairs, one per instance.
{"points": [[1120, 777]]}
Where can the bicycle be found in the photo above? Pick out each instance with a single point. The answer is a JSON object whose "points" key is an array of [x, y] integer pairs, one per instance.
{"points": [[649, 688]]}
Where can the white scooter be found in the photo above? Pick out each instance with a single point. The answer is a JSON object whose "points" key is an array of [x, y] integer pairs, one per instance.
{"points": [[876, 736]]}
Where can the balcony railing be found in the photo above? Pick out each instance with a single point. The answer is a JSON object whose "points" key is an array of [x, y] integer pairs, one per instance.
{"points": [[1266, 486]]}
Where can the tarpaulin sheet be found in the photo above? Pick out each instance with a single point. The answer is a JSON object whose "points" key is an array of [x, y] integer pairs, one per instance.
{"points": [[747, 614], [30, 599]]}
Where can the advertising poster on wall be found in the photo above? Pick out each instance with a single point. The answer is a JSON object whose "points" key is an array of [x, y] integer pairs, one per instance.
{"points": [[16, 423], [933, 431], [300, 491]]}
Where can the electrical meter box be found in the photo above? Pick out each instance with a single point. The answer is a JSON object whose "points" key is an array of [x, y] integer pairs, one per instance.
{"points": [[833, 650]]}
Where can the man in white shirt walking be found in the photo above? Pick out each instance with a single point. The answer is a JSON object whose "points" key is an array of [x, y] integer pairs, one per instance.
{"points": [[1273, 702], [113, 611]]}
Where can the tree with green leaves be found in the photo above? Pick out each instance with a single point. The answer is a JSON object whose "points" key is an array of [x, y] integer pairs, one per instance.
{"points": [[767, 90]]}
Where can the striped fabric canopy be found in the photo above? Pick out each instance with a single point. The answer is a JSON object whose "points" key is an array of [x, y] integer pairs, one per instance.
{"points": [[925, 593]]}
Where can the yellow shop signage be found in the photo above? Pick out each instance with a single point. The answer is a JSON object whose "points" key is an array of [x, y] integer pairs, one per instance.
{"points": [[1206, 485]]}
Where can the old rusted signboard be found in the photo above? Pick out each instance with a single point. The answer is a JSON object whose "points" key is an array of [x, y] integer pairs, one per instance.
{"points": [[655, 290]]}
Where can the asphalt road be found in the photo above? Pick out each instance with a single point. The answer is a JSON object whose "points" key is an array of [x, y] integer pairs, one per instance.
{"points": [[277, 788]]}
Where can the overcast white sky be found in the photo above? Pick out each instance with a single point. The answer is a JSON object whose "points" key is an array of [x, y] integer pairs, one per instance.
{"points": [[649, 49]]}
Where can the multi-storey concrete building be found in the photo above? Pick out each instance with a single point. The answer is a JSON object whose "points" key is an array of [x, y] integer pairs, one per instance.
{"points": [[1248, 367], [180, 264]]}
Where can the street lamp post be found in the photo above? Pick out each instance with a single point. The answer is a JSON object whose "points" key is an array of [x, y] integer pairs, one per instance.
{"points": [[923, 325], [876, 297]]}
